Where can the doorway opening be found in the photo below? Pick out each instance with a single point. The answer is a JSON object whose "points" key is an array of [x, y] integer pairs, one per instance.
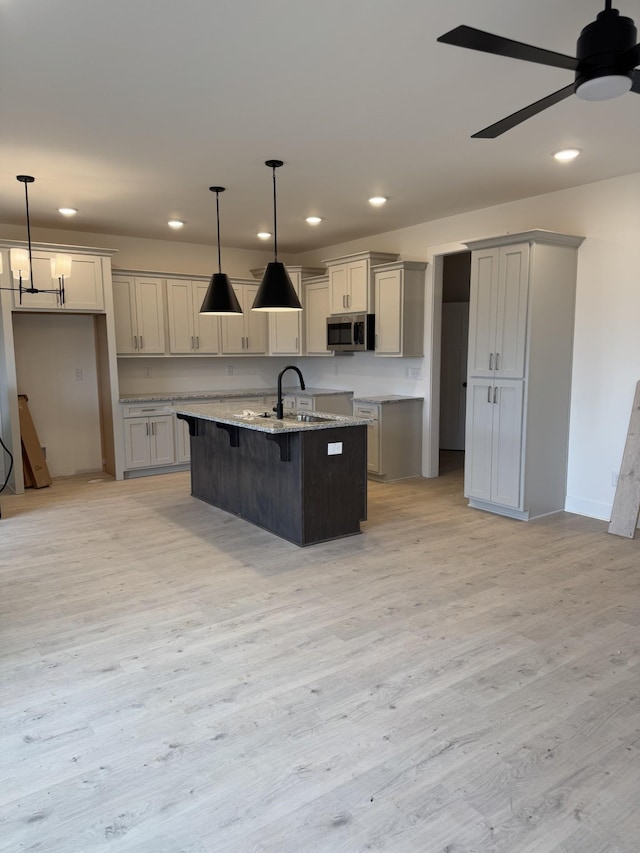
{"points": [[456, 278]]}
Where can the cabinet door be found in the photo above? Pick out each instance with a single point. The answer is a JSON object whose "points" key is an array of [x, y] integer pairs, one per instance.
{"points": [[479, 439], [338, 289], [255, 323], [161, 440], [285, 327], [232, 330], [206, 327], [388, 302], [511, 324], [305, 404], [137, 448], [180, 315], [358, 286], [124, 309], [506, 450], [316, 311], [374, 455], [150, 315], [83, 290], [483, 310]]}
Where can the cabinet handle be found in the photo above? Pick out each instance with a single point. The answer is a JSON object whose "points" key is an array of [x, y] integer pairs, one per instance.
{"points": [[376, 340], [497, 361], [193, 346], [141, 344], [488, 393], [495, 394], [490, 361], [135, 342], [197, 341], [147, 426]]}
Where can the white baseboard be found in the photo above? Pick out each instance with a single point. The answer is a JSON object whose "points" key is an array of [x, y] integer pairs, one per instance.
{"points": [[592, 509]]}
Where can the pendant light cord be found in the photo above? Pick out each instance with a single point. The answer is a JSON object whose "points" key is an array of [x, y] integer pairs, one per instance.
{"points": [[218, 221], [26, 200], [275, 218]]}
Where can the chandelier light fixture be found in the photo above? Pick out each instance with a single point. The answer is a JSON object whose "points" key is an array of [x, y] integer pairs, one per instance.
{"points": [[220, 297], [21, 260], [276, 291]]}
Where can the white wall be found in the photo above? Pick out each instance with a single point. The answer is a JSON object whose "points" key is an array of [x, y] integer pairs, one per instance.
{"points": [[49, 350], [606, 363]]}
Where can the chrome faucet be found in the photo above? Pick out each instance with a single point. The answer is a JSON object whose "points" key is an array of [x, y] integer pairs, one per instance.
{"points": [[279, 409]]}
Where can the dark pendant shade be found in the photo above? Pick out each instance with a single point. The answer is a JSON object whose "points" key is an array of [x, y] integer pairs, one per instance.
{"points": [[276, 291], [220, 297]]}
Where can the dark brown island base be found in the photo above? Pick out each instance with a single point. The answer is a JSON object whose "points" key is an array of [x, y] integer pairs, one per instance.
{"points": [[303, 477]]}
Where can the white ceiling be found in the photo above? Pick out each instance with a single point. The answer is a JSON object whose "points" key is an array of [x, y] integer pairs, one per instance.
{"points": [[130, 109]]}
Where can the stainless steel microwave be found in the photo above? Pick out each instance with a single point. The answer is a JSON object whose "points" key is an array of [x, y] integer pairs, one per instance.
{"points": [[351, 332]]}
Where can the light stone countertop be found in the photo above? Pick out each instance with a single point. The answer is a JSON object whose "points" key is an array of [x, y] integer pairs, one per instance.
{"points": [[228, 393], [385, 398], [242, 416]]}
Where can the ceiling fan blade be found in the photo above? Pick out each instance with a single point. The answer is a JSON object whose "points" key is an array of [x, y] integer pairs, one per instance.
{"points": [[635, 84], [522, 115], [464, 36]]}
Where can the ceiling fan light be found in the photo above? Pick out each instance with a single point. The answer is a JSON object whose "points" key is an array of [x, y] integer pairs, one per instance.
{"points": [[604, 88]]}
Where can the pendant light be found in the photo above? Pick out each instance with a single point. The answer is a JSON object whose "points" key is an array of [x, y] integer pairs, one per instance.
{"points": [[220, 297], [21, 260], [276, 292]]}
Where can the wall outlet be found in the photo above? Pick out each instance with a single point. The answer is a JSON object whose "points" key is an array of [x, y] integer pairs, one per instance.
{"points": [[229, 370], [614, 478], [147, 373], [334, 448], [78, 374], [415, 373]]}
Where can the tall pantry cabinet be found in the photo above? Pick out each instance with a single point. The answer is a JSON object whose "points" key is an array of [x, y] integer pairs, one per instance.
{"points": [[521, 318]]}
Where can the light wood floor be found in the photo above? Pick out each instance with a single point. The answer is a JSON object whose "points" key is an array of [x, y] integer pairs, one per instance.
{"points": [[175, 680]]}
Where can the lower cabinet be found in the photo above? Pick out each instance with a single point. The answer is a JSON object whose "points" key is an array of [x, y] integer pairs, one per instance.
{"points": [[493, 442], [333, 404], [149, 441], [394, 436]]}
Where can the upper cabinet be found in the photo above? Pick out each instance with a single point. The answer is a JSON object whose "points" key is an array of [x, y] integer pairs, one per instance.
{"points": [[286, 328], [83, 288], [246, 333], [139, 315], [498, 323], [351, 281], [190, 333], [316, 311], [399, 308]]}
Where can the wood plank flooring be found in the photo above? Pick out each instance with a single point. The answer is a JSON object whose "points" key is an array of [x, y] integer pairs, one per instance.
{"points": [[175, 680]]}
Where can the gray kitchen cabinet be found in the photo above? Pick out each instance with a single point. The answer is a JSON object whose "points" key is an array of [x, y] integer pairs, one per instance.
{"points": [[83, 288], [138, 304], [148, 437], [521, 317], [399, 308], [286, 328], [394, 436], [333, 404], [246, 333], [351, 281], [316, 311], [190, 333]]}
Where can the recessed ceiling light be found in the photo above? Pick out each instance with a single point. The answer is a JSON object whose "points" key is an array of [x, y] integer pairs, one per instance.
{"points": [[313, 220], [567, 154], [67, 211], [263, 235], [377, 200], [175, 224]]}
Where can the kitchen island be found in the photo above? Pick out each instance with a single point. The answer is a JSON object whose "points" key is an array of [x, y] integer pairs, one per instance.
{"points": [[302, 477]]}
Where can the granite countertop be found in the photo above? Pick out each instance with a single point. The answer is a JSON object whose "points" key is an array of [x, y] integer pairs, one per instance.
{"points": [[247, 418], [385, 398], [228, 393]]}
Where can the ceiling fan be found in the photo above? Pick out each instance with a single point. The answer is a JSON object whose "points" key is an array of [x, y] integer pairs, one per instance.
{"points": [[607, 55]]}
